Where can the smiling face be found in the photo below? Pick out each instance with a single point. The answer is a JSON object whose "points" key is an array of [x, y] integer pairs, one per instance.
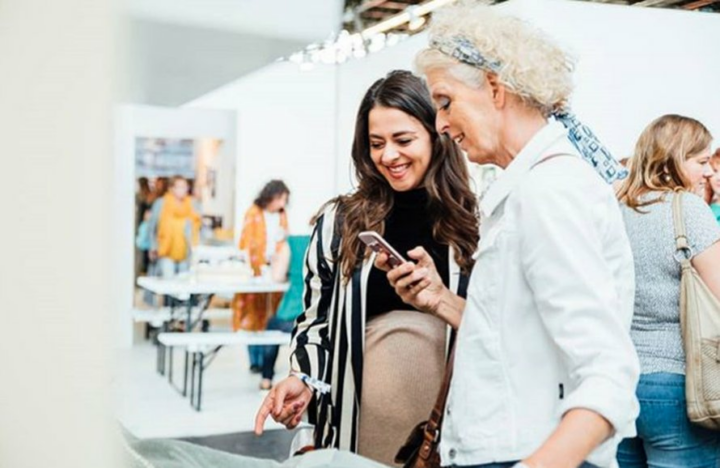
{"points": [[400, 147], [468, 115]]}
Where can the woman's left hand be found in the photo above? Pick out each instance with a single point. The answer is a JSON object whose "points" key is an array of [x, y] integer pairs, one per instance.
{"points": [[418, 284]]}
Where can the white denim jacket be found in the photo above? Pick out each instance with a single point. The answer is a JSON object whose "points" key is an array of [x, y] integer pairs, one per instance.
{"points": [[547, 320]]}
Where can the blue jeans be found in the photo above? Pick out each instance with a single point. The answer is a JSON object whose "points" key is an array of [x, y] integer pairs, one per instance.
{"points": [[666, 438], [168, 268], [271, 352], [256, 353]]}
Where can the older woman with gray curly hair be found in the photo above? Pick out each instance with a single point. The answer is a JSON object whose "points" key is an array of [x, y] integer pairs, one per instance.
{"points": [[545, 371]]}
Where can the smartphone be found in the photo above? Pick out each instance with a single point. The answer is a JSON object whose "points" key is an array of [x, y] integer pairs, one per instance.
{"points": [[377, 244]]}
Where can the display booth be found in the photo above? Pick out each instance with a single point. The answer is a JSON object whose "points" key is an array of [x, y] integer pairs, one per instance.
{"points": [[154, 142]]}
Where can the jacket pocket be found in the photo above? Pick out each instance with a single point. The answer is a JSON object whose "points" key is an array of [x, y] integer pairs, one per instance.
{"points": [[481, 382]]}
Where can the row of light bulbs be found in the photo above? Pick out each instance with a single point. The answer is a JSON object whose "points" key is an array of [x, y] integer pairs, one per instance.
{"points": [[344, 46]]}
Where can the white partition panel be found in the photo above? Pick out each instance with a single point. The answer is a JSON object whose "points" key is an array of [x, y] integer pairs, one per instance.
{"points": [[634, 64], [286, 129]]}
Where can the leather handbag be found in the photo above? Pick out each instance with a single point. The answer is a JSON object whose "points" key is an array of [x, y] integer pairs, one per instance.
{"points": [[700, 325], [420, 450]]}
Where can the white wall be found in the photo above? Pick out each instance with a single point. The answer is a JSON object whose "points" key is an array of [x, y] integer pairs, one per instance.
{"points": [[635, 64], [285, 130], [55, 274], [133, 121]]}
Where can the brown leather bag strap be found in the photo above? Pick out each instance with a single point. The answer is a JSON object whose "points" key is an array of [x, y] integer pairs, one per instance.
{"points": [[436, 417]]}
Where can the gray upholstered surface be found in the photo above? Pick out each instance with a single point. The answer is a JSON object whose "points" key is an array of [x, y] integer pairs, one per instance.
{"points": [[160, 453]]}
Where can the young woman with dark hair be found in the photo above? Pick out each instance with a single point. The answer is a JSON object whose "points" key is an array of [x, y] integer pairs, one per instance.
{"points": [[356, 341]]}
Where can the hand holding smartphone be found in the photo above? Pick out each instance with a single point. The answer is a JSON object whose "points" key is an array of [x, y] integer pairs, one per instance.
{"points": [[377, 244]]}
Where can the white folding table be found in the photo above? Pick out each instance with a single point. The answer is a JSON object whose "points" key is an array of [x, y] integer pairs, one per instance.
{"points": [[189, 289]]}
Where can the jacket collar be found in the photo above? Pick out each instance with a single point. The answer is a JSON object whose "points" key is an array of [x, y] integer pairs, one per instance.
{"points": [[532, 153]]}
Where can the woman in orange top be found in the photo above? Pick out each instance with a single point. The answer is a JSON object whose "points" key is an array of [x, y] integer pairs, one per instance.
{"points": [[263, 236]]}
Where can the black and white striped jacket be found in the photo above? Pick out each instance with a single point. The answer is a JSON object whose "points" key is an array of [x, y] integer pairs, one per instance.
{"points": [[329, 337]]}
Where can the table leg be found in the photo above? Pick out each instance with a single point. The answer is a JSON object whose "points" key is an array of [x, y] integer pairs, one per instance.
{"points": [[201, 364], [188, 326], [161, 350], [171, 353], [192, 379]]}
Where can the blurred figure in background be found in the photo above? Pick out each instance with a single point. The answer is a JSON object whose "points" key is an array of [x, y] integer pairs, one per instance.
{"points": [[143, 199], [143, 241], [174, 229], [143, 203], [264, 234], [671, 156], [714, 185], [160, 188]]}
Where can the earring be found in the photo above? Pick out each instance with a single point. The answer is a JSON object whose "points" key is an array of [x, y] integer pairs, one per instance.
{"points": [[667, 178]]}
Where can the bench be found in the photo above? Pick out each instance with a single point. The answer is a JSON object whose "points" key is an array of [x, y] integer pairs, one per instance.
{"points": [[203, 347], [162, 317]]}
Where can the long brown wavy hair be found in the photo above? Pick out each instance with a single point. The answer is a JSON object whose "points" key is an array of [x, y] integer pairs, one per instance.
{"points": [[451, 203], [660, 152]]}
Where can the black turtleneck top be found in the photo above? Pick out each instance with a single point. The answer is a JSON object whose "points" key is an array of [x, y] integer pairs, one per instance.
{"points": [[408, 225]]}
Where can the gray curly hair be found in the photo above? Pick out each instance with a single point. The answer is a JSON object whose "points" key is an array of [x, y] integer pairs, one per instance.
{"points": [[528, 62]]}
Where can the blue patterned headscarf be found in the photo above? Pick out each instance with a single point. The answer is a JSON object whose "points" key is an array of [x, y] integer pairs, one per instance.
{"points": [[580, 135]]}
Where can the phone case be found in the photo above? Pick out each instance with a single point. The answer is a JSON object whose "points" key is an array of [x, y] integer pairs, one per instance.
{"points": [[377, 244]]}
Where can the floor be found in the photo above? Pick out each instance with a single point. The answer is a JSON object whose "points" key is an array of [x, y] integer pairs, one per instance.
{"points": [[150, 408]]}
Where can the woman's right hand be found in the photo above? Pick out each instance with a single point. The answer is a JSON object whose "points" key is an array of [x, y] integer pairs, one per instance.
{"points": [[418, 284], [286, 403]]}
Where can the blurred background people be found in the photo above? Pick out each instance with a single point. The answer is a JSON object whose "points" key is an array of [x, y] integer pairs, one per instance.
{"points": [[714, 185], [143, 241], [264, 233], [143, 199], [672, 154], [174, 229], [143, 203]]}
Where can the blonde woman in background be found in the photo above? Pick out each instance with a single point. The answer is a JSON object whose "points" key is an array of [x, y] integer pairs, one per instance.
{"points": [[672, 154], [264, 235]]}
